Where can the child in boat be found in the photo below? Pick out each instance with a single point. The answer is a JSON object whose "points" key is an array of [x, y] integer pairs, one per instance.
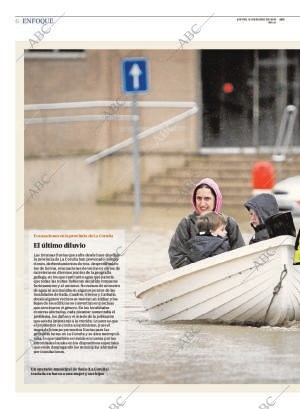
{"points": [[260, 208], [211, 238]]}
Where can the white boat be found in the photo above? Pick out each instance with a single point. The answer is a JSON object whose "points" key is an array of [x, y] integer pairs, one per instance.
{"points": [[256, 284]]}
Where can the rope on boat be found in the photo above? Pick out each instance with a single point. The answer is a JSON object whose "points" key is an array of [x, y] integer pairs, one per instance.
{"points": [[276, 290]]}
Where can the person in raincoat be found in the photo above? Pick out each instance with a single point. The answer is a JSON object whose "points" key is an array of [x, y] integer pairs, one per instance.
{"points": [[206, 197], [297, 249], [260, 208]]}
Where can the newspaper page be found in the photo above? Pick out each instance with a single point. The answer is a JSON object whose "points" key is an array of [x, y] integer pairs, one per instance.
{"points": [[125, 144]]}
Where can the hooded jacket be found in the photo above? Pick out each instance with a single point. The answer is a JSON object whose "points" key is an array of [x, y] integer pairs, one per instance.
{"points": [[264, 205], [206, 245], [187, 229]]}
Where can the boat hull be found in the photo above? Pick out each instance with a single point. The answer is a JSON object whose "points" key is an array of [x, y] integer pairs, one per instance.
{"points": [[255, 284]]}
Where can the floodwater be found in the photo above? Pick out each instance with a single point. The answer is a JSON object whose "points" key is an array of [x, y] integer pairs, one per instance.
{"points": [[155, 352]]}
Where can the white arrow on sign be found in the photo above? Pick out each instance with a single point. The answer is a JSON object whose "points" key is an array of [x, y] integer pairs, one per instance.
{"points": [[136, 72]]}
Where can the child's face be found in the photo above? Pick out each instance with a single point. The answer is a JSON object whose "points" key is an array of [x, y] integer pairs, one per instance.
{"points": [[253, 218], [220, 231]]}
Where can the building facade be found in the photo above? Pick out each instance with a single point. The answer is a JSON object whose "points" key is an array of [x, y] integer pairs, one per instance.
{"points": [[241, 95]]}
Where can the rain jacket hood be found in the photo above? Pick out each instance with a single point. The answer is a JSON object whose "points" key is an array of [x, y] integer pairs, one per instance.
{"points": [[264, 205], [213, 185]]}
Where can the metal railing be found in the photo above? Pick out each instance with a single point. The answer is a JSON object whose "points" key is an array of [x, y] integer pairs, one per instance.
{"points": [[191, 109], [285, 133]]}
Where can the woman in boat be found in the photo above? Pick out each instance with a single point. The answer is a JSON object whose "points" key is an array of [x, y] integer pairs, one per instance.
{"points": [[260, 208], [211, 238], [206, 197]]}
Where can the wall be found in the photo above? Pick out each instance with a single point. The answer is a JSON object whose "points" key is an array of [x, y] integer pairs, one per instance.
{"points": [[173, 77]]}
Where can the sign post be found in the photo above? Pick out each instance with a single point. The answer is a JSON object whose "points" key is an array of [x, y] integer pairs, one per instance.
{"points": [[134, 81]]}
